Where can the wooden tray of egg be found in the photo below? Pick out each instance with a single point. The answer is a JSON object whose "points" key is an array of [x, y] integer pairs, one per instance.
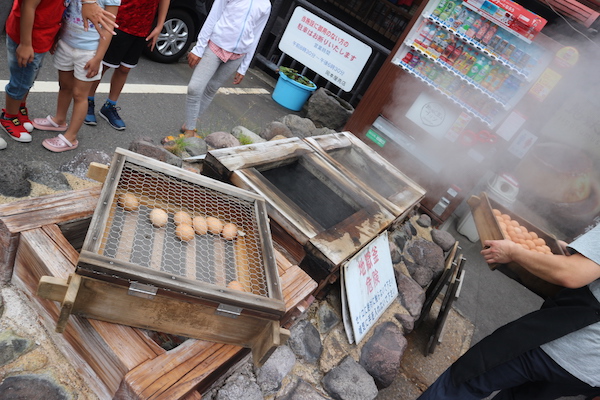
{"points": [[495, 222]]}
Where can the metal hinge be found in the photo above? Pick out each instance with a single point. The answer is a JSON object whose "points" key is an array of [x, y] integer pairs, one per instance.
{"points": [[142, 290], [226, 310]]}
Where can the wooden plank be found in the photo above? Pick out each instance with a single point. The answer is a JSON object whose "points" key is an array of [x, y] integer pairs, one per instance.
{"points": [[33, 213], [97, 171], [102, 352]]}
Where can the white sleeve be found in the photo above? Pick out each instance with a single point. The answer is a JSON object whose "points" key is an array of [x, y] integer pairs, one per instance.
{"points": [[207, 29], [260, 27]]}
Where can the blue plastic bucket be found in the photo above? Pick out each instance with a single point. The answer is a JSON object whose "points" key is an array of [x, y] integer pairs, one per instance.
{"points": [[291, 94]]}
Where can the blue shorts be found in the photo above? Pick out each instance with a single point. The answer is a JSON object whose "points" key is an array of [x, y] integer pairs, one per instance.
{"points": [[21, 78]]}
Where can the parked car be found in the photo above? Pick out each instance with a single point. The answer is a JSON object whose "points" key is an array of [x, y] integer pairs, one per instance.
{"points": [[184, 21]]}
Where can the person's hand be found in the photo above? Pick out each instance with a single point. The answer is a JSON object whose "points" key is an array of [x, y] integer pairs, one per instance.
{"points": [[237, 78], [499, 251], [93, 67], [153, 36], [25, 55], [193, 59], [103, 20]]}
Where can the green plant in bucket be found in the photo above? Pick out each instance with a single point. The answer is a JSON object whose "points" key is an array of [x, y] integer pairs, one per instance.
{"points": [[296, 76]]}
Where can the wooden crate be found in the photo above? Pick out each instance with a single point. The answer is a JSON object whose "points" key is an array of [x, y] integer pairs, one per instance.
{"points": [[489, 229], [322, 204], [116, 361], [134, 273]]}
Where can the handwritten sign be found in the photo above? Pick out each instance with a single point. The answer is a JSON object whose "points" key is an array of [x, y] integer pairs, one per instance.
{"points": [[324, 48], [370, 285]]}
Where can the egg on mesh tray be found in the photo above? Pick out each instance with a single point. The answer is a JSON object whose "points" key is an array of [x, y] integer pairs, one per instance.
{"points": [[215, 226], [200, 225], [184, 232], [181, 218], [158, 217], [129, 201], [229, 231]]}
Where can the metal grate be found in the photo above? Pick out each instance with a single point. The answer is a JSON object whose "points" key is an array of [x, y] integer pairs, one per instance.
{"points": [[202, 250]]}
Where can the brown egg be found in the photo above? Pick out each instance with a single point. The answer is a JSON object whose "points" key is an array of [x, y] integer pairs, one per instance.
{"points": [[530, 244], [181, 217], [539, 242], [515, 223], [158, 217], [496, 212], [215, 226], [184, 232], [506, 217], [200, 225], [534, 235], [235, 285], [129, 201], [229, 231]]}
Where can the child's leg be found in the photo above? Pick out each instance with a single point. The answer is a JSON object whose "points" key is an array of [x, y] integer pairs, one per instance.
{"points": [[80, 92], [117, 82], [66, 83]]}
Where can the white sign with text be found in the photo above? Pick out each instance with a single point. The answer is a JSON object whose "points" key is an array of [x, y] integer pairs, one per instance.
{"points": [[324, 48], [370, 285]]}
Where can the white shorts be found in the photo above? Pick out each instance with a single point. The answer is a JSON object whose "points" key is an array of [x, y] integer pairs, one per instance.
{"points": [[67, 58]]}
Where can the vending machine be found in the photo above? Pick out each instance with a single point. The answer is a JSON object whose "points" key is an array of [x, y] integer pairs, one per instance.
{"points": [[468, 78]]}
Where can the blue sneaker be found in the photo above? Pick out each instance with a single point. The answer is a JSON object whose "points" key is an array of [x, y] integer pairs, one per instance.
{"points": [[110, 114], [90, 118]]}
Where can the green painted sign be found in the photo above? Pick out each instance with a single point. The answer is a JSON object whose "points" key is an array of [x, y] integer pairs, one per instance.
{"points": [[378, 140]]}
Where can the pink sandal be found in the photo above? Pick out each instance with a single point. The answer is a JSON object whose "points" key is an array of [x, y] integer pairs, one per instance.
{"points": [[59, 144], [48, 124]]}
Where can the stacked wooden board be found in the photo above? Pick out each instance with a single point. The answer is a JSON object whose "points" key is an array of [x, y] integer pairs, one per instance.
{"points": [[40, 237]]}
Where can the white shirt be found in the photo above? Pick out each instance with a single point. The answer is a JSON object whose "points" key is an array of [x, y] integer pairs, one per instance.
{"points": [[235, 26]]}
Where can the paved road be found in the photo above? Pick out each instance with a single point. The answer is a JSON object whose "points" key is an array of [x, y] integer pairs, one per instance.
{"points": [[151, 105]]}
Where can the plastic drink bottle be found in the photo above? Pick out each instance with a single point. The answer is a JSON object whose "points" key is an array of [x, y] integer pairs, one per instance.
{"points": [[456, 53], [448, 50], [476, 66], [447, 10], [485, 69], [440, 7], [460, 18], [483, 30], [467, 24], [474, 27], [489, 34]]}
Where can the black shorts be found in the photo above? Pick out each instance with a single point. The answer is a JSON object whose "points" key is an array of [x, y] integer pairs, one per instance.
{"points": [[124, 49]]}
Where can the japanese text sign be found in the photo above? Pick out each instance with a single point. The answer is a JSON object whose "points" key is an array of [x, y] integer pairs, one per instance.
{"points": [[370, 285], [325, 49]]}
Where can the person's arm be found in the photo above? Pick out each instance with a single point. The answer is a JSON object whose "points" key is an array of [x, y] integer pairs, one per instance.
{"points": [[572, 271], [207, 29], [163, 7], [103, 20], [258, 31], [94, 65], [25, 51]]}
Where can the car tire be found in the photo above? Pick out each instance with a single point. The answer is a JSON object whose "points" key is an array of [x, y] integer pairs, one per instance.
{"points": [[175, 38]]}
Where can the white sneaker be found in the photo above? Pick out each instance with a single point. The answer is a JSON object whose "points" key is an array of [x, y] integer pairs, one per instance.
{"points": [[2, 144]]}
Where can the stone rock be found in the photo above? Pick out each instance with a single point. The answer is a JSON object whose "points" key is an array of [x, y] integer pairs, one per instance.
{"points": [[42, 172], [410, 294], [13, 179], [80, 163], [300, 127], [240, 386], [327, 318], [400, 237], [274, 129], [395, 252], [349, 381], [278, 137], [305, 341], [146, 147], [328, 110], [410, 230], [424, 221], [221, 140], [13, 347], [429, 260], [322, 131], [335, 348], [246, 136], [301, 390], [195, 146], [30, 387], [271, 374], [443, 239], [407, 321], [382, 353]]}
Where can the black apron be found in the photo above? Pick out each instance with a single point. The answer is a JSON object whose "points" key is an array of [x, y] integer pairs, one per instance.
{"points": [[568, 311]]}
